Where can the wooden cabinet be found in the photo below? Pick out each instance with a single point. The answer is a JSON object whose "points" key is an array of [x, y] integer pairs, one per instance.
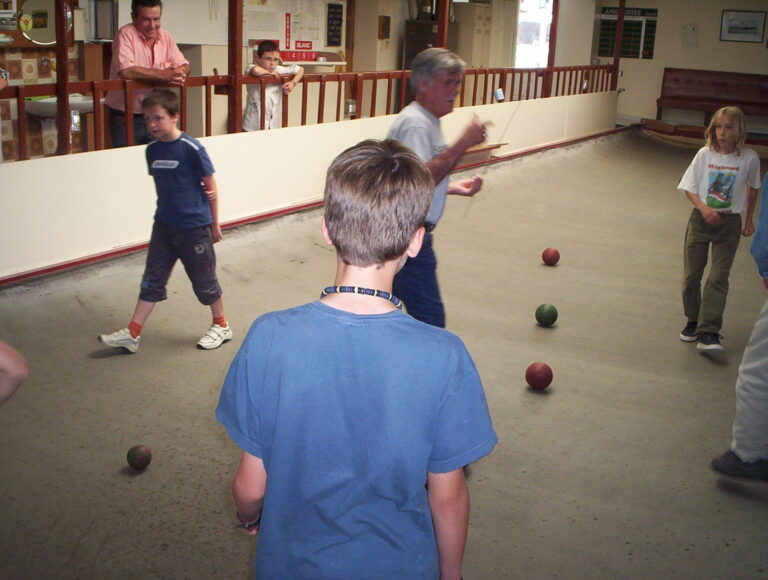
{"points": [[421, 34]]}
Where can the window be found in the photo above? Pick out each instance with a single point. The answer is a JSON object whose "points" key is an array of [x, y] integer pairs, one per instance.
{"points": [[638, 35], [532, 47]]}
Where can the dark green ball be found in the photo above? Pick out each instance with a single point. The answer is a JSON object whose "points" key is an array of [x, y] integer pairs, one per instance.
{"points": [[546, 315]]}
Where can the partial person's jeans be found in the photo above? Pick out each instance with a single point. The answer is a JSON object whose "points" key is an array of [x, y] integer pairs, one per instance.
{"points": [[707, 308], [416, 285], [750, 428], [117, 128]]}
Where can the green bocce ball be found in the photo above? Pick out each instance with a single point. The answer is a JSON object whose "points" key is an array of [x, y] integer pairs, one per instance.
{"points": [[546, 315]]}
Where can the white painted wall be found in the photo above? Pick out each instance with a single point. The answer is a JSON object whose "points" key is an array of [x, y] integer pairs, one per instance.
{"points": [[202, 61], [374, 54], [641, 79], [391, 50], [503, 33], [366, 43], [60, 209], [574, 34]]}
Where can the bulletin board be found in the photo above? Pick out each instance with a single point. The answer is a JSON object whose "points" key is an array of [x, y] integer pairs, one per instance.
{"points": [[206, 21], [298, 24]]}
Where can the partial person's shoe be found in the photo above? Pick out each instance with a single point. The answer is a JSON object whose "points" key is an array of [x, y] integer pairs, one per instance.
{"points": [[215, 337], [688, 334], [709, 341], [121, 339], [731, 464]]}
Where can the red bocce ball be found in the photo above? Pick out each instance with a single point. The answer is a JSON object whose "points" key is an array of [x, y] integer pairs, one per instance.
{"points": [[538, 375], [550, 256]]}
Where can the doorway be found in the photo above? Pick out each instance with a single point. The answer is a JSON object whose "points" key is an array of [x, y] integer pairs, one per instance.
{"points": [[534, 23]]}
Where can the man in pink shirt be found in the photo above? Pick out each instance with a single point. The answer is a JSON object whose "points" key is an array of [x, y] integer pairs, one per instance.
{"points": [[142, 51]]}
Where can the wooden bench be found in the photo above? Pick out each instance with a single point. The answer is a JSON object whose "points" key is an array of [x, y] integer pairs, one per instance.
{"points": [[709, 90]]}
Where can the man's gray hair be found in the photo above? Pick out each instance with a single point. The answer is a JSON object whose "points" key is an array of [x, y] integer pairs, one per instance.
{"points": [[428, 63]]}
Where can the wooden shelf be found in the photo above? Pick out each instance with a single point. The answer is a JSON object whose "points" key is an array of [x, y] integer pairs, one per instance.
{"points": [[478, 153]]}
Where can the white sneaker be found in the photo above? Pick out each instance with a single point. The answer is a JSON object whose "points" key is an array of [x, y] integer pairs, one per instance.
{"points": [[215, 337], [121, 339]]}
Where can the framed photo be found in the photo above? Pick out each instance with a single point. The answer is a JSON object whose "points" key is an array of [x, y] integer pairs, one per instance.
{"points": [[742, 26]]}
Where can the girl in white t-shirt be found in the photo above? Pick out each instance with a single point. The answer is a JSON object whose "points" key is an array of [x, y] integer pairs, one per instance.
{"points": [[721, 182]]}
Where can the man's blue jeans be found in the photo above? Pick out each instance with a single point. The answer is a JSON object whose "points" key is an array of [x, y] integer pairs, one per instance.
{"points": [[117, 128], [416, 285]]}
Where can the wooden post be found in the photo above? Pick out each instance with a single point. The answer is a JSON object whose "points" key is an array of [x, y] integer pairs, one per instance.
{"points": [[546, 89], [617, 45], [443, 7], [23, 153], [357, 89], [63, 146], [235, 67]]}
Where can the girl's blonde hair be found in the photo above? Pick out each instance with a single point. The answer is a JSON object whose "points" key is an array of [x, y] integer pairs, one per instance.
{"points": [[737, 118]]}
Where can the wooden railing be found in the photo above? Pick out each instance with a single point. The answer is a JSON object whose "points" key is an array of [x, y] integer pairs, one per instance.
{"points": [[374, 94]]}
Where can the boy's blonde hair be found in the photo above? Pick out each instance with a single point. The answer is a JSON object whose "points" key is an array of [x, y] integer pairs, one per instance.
{"points": [[377, 194], [737, 118]]}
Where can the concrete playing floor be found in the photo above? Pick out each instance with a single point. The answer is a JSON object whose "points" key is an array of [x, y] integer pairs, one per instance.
{"points": [[604, 476]]}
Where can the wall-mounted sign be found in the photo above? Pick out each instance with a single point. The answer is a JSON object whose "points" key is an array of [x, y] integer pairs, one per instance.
{"points": [[334, 24], [287, 30]]}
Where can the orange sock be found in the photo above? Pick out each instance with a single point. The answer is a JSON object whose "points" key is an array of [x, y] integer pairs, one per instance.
{"points": [[135, 329], [221, 321]]}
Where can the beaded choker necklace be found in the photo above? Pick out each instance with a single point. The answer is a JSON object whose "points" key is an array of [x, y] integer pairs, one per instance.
{"points": [[367, 291]]}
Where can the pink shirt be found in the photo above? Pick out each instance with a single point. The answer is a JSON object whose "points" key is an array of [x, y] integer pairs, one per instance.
{"points": [[129, 49]]}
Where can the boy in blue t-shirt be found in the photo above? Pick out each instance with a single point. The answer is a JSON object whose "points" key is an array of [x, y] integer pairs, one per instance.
{"points": [[186, 223], [353, 418]]}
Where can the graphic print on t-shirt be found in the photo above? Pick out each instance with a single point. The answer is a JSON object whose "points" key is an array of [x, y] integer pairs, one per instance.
{"points": [[165, 164], [720, 190]]}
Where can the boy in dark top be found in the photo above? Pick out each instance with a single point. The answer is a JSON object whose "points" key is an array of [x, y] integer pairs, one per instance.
{"points": [[186, 223]]}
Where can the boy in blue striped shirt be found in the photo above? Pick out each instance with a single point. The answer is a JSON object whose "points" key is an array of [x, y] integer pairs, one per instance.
{"points": [[186, 223]]}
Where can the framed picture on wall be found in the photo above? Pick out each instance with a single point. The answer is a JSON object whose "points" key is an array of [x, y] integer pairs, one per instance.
{"points": [[742, 26]]}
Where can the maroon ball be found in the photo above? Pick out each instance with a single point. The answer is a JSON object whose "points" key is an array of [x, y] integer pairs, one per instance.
{"points": [[139, 456], [538, 375], [550, 256]]}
